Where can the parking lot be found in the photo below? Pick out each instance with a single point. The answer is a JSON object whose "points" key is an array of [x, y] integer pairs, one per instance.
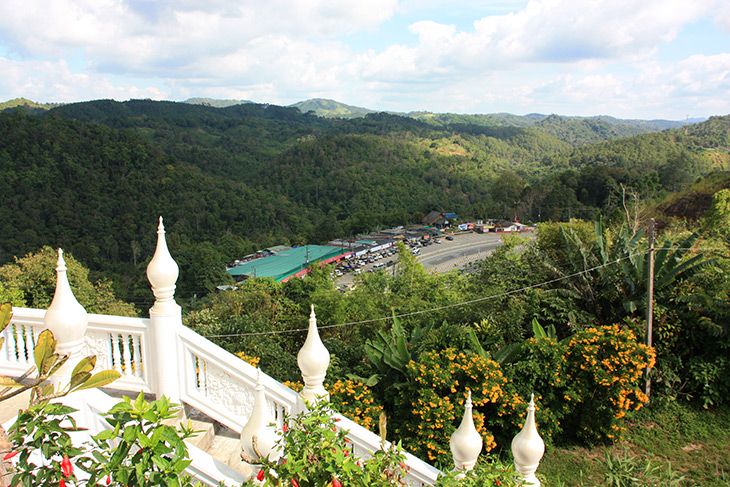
{"points": [[439, 257]]}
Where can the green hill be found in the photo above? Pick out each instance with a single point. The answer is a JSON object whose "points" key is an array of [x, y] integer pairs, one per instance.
{"points": [[27, 105], [93, 175], [212, 102], [331, 108]]}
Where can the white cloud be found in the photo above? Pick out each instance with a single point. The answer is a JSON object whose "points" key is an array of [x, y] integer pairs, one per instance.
{"points": [[546, 55], [36, 79]]}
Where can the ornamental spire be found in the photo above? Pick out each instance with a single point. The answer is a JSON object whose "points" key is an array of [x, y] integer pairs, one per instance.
{"points": [[66, 318], [259, 427], [162, 272], [528, 448], [466, 442], [313, 360]]}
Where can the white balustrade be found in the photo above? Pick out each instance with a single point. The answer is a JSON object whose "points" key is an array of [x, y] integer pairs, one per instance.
{"points": [[364, 442], [17, 352], [223, 386], [161, 356]]}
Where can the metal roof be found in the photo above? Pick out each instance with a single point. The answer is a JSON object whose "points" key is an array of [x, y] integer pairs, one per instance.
{"points": [[286, 262]]}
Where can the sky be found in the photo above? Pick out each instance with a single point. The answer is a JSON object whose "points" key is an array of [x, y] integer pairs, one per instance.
{"points": [[646, 59]]}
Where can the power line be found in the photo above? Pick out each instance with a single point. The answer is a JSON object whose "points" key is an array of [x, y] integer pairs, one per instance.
{"points": [[431, 310]]}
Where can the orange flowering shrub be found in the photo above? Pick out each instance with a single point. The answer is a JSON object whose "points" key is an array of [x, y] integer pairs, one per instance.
{"points": [[249, 358], [355, 400], [604, 368], [438, 390], [351, 398]]}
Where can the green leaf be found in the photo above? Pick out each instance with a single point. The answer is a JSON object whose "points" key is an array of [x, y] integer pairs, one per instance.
{"points": [[104, 435], [6, 312], [100, 379], [82, 371], [44, 349], [8, 382]]}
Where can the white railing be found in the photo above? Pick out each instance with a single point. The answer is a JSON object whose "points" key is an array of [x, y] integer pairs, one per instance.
{"points": [[16, 356], [161, 356], [223, 386], [212, 380], [364, 442], [119, 343]]}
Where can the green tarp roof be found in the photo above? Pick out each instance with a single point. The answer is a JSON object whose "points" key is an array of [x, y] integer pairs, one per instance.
{"points": [[287, 262]]}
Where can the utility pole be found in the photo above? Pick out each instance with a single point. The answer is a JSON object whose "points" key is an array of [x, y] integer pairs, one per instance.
{"points": [[650, 299]]}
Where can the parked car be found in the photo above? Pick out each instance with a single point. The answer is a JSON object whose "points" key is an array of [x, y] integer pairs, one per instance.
{"points": [[449, 237]]}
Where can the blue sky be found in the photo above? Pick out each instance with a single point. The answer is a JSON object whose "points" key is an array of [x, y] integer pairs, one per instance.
{"points": [[626, 58]]}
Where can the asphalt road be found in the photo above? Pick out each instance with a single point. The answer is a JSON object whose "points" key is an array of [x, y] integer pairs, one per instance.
{"points": [[465, 248]]}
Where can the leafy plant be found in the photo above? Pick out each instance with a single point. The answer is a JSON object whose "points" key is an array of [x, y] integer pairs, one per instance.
{"points": [[140, 450], [390, 352], [43, 430], [488, 472], [319, 454]]}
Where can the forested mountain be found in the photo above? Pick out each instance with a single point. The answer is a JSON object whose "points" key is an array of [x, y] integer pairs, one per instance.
{"points": [[331, 108], [93, 177], [28, 106], [213, 102], [576, 131]]}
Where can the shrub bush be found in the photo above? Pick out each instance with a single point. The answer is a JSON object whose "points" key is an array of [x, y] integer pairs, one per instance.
{"points": [[435, 400], [603, 368]]}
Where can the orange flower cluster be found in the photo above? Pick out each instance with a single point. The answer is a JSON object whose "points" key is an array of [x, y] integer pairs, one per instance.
{"points": [[440, 384], [355, 400]]}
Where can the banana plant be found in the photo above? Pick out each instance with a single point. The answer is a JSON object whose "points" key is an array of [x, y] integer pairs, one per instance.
{"points": [[390, 352]]}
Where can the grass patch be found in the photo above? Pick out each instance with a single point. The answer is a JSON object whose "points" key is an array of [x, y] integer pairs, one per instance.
{"points": [[674, 440]]}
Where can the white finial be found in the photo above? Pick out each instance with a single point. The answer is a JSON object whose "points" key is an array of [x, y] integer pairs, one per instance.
{"points": [[68, 321], [528, 448], [162, 272], [65, 317], [313, 360], [466, 442], [259, 425]]}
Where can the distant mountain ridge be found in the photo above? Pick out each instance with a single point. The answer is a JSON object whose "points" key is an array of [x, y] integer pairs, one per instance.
{"points": [[27, 105], [212, 102]]}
